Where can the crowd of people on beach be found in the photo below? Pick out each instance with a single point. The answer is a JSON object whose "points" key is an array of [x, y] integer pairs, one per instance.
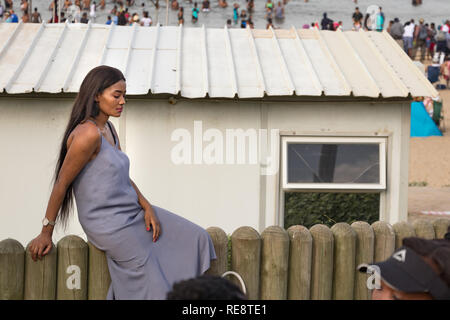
{"points": [[426, 37]]}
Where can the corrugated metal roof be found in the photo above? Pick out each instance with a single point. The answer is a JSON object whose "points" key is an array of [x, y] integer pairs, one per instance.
{"points": [[195, 62]]}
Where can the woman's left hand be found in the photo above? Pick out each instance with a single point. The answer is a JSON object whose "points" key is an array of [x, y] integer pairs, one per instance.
{"points": [[152, 222]]}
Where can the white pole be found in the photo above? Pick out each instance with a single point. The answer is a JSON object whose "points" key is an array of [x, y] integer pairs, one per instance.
{"points": [[59, 11], [167, 12]]}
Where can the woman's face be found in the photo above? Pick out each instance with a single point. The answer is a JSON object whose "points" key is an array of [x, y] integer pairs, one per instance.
{"points": [[112, 99]]}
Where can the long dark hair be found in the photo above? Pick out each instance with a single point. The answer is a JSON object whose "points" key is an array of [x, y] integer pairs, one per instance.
{"points": [[85, 106]]}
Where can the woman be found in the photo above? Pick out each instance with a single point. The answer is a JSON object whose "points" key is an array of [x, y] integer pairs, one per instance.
{"points": [[180, 15], [195, 11], [147, 248], [279, 11]]}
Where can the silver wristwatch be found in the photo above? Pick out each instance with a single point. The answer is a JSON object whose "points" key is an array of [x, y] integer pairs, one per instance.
{"points": [[46, 222]]}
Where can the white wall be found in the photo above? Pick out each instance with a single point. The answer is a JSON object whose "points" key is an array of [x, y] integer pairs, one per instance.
{"points": [[223, 195]]}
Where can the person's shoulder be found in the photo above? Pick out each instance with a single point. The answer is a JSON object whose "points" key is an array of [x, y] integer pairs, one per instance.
{"points": [[87, 131]]}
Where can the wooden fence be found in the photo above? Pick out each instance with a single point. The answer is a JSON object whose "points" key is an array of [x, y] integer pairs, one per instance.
{"points": [[299, 263]]}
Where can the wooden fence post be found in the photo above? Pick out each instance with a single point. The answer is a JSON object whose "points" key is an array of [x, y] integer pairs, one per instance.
{"points": [[300, 256], [99, 278], [40, 276], [344, 261], [423, 229], [220, 241], [322, 262], [12, 265], [384, 240], [246, 259], [72, 268], [364, 254], [274, 263], [402, 230], [441, 226]]}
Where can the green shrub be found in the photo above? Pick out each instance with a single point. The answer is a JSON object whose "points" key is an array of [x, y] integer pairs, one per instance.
{"points": [[308, 209]]}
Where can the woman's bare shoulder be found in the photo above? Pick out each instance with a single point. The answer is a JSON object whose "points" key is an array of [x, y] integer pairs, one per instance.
{"points": [[86, 132]]}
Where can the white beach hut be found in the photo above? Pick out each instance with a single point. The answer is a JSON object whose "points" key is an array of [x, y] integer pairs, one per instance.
{"points": [[218, 122]]}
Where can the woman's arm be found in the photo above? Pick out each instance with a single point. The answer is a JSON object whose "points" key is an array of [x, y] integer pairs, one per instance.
{"points": [[80, 150], [142, 200]]}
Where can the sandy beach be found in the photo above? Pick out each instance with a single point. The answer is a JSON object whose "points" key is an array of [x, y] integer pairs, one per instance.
{"points": [[429, 170]]}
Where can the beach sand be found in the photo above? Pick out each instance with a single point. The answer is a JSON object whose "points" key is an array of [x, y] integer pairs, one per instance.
{"points": [[429, 162]]}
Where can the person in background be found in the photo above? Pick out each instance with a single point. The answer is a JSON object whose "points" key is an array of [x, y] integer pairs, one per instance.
{"points": [[2, 9], [84, 18], [445, 70], [243, 23], [63, 17], [229, 23], [195, 11], [235, 13], [223, 3], [67, 4], [205, 287], [269, 24], [441, 41], [419, 270], [434, 71], [92, 14], [146, 21], [109, 20], [250, 6], [14, 18], [388, 29], [102, 4], [175, 5], [243, 14], [326, 23], [8, 4], [269, 14], [379, 20], [180, 16], [408, 35], [24, 6], [135, 18], [122, 21], [269, 4], [431, 43], [25, 17], [279, 11], [420, 36], [396, 31], [115, 18], [250, 21], [205, 6], [36, 16], [357, 16]]}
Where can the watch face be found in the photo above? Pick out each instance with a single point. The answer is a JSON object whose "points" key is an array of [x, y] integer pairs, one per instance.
{"points": [[45, 221]]}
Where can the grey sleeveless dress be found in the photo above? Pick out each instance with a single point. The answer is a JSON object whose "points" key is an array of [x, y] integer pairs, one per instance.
{"points": [[113, 220]]}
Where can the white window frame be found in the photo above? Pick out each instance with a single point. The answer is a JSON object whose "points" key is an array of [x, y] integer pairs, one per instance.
{"points": [[334, 186]]}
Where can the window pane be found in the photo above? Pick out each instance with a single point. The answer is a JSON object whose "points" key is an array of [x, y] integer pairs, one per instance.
{"points": [[311, 208], [333, 163]]}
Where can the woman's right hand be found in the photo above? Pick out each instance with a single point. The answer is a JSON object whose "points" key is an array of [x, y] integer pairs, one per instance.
{"points": [[40, 246]]}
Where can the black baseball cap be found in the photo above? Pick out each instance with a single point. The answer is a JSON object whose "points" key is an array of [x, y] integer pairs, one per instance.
{"points": [[406, 271]]}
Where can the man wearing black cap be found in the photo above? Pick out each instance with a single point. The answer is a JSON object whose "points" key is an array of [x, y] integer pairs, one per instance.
{"points": [[420, 270]]}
